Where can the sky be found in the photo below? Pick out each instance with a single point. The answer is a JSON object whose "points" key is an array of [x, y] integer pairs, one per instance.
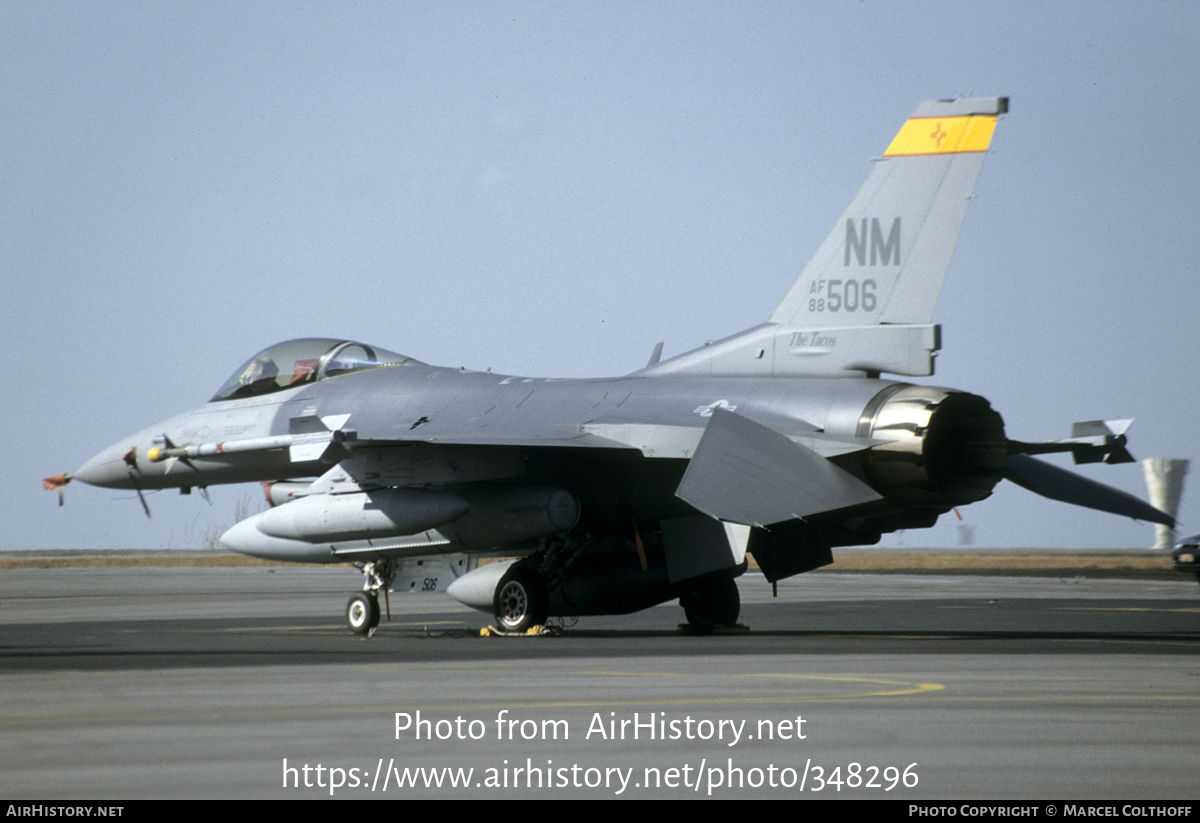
{"points": [[550, 189]]}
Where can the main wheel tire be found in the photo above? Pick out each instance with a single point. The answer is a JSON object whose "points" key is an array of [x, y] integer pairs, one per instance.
{"points": [[716, 603], [362, 612], [521, 601]]}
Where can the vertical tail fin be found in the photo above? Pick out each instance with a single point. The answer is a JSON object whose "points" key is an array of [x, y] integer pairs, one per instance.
{"points": [[865, 301], [887, 256]]}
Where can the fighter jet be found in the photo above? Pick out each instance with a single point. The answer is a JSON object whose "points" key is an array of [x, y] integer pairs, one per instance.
{"points": [[783, 441]]}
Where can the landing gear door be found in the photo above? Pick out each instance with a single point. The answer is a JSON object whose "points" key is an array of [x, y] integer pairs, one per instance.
{"points": [[698, 545]]}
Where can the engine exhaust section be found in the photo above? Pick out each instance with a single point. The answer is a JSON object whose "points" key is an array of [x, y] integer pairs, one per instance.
{"points": [[942, 448]]}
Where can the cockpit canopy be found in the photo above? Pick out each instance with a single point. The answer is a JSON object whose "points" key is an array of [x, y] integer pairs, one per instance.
{"points": [[306, 360]]}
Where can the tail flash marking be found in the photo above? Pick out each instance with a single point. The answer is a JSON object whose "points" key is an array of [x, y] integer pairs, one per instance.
{"points": [[943, 135]]}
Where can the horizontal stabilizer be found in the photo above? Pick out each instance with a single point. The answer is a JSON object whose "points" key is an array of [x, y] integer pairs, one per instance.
{"points": [[1059, 484], [744, 472]]}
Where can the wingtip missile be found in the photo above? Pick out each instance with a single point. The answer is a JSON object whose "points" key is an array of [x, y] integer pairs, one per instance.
{"points": [[1091, 441]]}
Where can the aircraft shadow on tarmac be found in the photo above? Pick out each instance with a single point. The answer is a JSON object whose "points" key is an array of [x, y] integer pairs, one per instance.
{"points": [[894, 627]]}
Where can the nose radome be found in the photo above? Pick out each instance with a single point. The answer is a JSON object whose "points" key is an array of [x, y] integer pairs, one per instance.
{"points": [[108, 468]]}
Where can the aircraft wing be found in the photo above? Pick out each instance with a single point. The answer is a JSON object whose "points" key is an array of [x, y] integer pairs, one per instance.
{"points": [[742, 471], [565, 436], [656, 440]]}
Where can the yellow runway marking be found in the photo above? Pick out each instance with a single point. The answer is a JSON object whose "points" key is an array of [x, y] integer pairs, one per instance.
{"points": [[904, 688], [311, 710]]}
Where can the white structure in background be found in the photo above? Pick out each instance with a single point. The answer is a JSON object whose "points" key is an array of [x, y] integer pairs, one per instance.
{"points": [[1164, 479]]}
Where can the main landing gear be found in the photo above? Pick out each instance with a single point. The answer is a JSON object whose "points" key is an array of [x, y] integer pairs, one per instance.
{"points": [[521, 601], [712, 604], [362, 610]]}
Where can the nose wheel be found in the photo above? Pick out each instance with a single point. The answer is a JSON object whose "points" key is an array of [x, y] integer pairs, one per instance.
{"points": [[362, 609], [362, 612]]}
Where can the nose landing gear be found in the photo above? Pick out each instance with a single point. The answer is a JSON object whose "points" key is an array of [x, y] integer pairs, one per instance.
{"points": [[362, 610]]}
